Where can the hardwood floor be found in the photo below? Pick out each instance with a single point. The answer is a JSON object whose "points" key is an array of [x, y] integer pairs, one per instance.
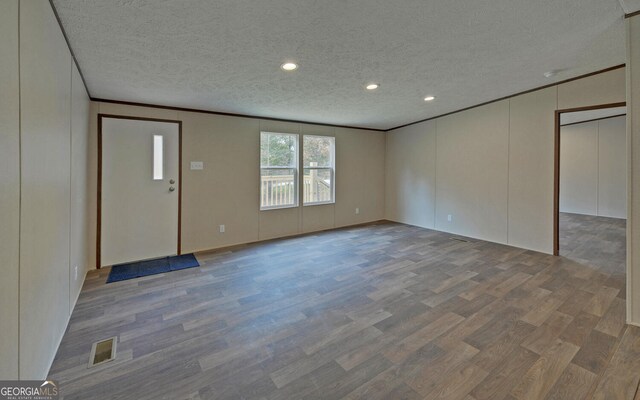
{"points": [[385, 311], [597, 241]]}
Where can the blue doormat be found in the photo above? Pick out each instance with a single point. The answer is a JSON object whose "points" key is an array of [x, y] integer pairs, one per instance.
{"points": [[123, 272]]}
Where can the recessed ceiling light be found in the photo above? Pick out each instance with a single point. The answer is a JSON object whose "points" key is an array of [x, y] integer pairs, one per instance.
{"points": [[552, 73], [289, 66], [429, 98], [372, 86]]}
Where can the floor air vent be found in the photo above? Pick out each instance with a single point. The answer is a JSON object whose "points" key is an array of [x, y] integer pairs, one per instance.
{"points": [[460, 239], [103, 352]]}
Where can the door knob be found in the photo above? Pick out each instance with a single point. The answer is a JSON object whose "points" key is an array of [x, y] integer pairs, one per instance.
{"points": [[172, 181], [171, 189]]}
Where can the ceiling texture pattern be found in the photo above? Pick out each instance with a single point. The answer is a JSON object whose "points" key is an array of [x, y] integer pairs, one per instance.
{"points": [[226, 55], [630, 6]]}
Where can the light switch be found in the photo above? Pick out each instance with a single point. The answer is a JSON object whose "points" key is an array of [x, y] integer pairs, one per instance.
{"points": [[197, 165]]}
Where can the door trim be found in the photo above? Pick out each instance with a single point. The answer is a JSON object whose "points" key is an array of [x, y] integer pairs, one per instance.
{"points": [[99, 194], [556, 167]]}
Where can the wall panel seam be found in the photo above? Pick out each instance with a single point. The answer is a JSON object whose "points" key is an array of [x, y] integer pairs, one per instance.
{"points": [[630, 219], [630, 212], [598, 170], [435, 177], [70, 178], [508, 166], [19, 178]]}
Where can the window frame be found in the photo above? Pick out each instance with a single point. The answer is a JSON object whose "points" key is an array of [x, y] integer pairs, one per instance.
{"points": [[332, 170], [295, 168]]}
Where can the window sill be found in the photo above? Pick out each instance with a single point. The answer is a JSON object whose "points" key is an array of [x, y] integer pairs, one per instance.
{"points": [[278, 207], [322, 203]]}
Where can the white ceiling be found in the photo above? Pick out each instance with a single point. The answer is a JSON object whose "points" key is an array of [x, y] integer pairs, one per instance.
{"points": [[630, 6], [590, 115], [225, 55]]}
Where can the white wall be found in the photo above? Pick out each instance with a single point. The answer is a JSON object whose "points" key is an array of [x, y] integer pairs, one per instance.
{"points": [[531, 151], [10, 193], [612, 167], [472, 152], [46, 172], [579, 168], [45, 107], [633, 176], [593, 176], [493, 165], [79, 219], [410, 195], [227, 190]]}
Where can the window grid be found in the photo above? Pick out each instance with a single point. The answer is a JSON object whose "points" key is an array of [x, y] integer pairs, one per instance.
{"points": [[319, 180], [281, 185], [278, 183]]}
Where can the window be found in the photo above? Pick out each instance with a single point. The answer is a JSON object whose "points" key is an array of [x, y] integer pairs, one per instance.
{"points": [[319, 169], [278, 170], [157, 157]]}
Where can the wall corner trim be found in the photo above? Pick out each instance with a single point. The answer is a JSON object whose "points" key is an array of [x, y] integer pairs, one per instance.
{"points": [[66, 38]]}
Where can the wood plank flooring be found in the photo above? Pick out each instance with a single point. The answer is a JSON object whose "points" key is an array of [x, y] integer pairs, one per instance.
{"points": [[597, 241], [384, 311]]}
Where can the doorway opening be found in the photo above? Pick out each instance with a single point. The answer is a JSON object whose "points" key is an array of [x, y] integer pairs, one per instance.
{"points": [[591, 187]]}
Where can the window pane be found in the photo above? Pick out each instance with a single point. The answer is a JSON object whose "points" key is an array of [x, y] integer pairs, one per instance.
{"points": [[157, 157], [318, 185], [277, 188], [318, 151], [278, 149]]}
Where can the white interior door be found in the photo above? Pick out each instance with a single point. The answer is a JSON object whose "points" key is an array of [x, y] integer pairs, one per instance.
{"points": [[139, 190]]}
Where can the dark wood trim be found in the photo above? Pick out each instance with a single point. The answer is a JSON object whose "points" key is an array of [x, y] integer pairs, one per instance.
{"points": [[513, 95], [556, 184], [179, 187], [66, 39], [594, 119], [117, 116], [227, 114], [99, 198], [633, 14], [595, 107], [556, 166]]}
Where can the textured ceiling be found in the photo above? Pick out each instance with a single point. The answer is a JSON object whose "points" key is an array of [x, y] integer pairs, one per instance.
{"points": [[225, 55], [590, 115], [630, 6]]}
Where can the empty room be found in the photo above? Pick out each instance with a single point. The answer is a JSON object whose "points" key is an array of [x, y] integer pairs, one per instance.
{"points": [[340, 199]]}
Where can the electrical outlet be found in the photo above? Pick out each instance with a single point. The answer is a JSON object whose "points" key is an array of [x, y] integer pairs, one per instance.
{"points": [[75, 273], [449, 217], [221, 228], [357, 210]]}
